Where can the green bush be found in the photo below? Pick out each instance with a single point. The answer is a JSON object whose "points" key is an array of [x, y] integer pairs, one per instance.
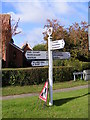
{"points": [[85, 65], [78, 65], [40, 47], [37, 75], [24, 76], [62, 74], [34, 75]]}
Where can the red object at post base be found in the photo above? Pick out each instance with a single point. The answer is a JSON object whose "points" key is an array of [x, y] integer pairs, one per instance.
{"points": [[44, 92]]}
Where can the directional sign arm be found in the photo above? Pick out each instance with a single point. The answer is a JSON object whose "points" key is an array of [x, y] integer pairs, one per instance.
{"points": [[61, 55], [39, 63], [58, 44], [33, 55]]}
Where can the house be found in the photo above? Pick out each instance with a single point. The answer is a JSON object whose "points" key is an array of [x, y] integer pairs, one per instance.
{"points": [[12, 55], [17, 55], [26, 47]]}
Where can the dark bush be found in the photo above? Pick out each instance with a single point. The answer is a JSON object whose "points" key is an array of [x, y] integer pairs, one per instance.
{"points": [[37, 75], [62, 74], [24, 76], [86, 65], [34, 75]]}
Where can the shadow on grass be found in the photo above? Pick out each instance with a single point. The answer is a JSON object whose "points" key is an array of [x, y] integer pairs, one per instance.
{"points": [[60, 102]]}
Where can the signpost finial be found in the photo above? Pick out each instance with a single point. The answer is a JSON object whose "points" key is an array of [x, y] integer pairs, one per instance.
{"points": [[49, 31]]}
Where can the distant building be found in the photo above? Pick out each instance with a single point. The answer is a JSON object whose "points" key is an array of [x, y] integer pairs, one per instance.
{"points": [[15, 56], [26, 47], [12, 55]]}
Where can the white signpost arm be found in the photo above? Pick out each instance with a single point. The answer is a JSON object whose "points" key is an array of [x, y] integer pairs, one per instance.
{"points": [[50, 67]]}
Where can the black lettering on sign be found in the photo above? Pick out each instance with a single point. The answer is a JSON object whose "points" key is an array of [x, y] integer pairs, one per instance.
{"points": [[44, 93]]}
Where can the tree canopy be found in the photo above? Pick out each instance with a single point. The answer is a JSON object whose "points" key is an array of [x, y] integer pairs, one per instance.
{"points": [[40, 47], [75, 36]]}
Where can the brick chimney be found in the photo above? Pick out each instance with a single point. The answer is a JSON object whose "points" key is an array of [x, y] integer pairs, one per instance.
{"points": [[5, 32]]}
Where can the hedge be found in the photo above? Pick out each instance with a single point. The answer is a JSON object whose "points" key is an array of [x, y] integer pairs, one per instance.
{"points": [[78, 65], [37, 75], [62, 74], [32, 76]]}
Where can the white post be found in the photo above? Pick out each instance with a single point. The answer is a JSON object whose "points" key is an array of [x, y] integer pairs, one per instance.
{"points": [[74, 78], [81, 76], [49, 32]]}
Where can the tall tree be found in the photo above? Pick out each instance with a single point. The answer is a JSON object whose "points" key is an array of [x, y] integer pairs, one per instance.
{"points": [[78, 38], [14, 27], [59, 32], [75, 36], [40, 47]]}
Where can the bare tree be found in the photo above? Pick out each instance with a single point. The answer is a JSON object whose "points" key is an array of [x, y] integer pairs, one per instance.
{"points": [[14, 27]]}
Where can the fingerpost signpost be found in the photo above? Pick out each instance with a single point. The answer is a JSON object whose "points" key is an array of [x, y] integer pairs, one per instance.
{"points": [[52, 45], [45, 58], [49, 32]]}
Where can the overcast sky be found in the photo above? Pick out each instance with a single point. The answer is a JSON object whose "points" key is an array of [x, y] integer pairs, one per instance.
{"points": [[33, 16]]}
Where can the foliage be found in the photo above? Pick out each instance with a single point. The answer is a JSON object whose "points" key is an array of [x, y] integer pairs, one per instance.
{"points": [[14, 27], [63, 73], [75, 36], [78, 65], [24, 77], [58, 62], [9, 29], [40, 47], [35, 75]]}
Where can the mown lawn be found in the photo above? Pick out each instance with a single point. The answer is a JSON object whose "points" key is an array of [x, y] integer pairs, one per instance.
{"points": [[72, 104], [14, 90]]}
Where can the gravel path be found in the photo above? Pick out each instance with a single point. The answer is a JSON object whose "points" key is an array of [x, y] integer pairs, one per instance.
{"points": [[36, 94]]}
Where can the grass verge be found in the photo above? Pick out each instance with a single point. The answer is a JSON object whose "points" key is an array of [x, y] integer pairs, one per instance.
{"points": [[72, 104], [14, 90]]}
